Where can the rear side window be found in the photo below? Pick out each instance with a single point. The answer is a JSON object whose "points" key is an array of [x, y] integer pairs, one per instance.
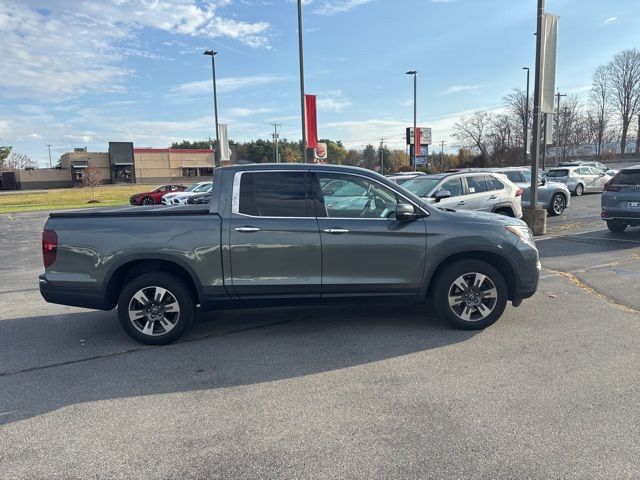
{"points": [[273, 194], [477, 184], [513, 175], [561, 172], [627, 177], [494, 183]]}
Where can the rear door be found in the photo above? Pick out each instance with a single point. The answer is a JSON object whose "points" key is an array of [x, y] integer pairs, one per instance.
{"points": [[274, 242]]}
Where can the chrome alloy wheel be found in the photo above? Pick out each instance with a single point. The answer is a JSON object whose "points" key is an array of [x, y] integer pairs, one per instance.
{"points": [[558, 204], [154, 311], [472, 297]]}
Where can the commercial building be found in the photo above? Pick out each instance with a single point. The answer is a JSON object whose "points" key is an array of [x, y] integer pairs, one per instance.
{"points": [[122, 163]]}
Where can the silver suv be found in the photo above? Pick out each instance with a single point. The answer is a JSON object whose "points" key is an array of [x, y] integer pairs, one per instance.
{"points": [[621, 200], [483, 191], [579, 179]]}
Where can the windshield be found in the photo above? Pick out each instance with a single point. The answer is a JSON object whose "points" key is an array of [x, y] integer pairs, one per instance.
{"points": [[202, 188], [421, 186], [192, 187], [557, 173]]}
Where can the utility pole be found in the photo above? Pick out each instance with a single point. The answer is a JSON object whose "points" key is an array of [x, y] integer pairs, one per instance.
{"points": [[216, 152], [275, 136], [558, 95], [302, 105], [48, 145], [382, 156], [442, 156], [415, 140]]}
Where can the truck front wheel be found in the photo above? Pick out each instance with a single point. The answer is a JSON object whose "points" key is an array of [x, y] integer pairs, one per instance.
{"points": [[470, 294], [155, 308]]}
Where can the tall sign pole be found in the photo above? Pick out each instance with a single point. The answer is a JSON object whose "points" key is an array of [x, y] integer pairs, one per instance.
{"points": [[302, 106]]}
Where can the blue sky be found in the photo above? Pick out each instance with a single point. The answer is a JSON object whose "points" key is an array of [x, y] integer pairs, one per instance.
{"points": [[83, 73]]}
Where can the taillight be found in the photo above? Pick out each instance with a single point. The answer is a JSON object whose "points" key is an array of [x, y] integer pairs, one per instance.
{"points": [[612, 188], [519, 192], [49, 247]]}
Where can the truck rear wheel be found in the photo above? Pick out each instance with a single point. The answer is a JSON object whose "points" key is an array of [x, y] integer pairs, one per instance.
{"points": [[470, 294], [155, 308]]}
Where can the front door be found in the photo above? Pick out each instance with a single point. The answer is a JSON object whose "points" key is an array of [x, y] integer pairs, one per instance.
{"points": [[458, 200], [274, 243], [366, 252]]}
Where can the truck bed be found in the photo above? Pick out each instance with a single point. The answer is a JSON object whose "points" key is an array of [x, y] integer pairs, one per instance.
{"points": [[133, 211]]}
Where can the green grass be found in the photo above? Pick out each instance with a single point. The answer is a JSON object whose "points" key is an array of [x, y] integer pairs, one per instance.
{"points": [[64, 198]]}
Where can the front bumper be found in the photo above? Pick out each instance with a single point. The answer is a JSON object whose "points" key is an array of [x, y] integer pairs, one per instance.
{"points": [[73, 296]]}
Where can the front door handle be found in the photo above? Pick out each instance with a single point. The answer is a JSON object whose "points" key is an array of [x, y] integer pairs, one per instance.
{"points": [[247, 229], [493, 197], [335, 231], [462, 202]]}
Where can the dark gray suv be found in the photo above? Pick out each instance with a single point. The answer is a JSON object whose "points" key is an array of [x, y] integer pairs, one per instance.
{"points": [[621, 200]]}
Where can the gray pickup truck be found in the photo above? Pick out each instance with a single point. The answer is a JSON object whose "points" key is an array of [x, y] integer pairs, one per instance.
{"points": [[273, 235]]}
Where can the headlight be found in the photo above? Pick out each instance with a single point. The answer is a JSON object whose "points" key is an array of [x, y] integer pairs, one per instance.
{"points": [[523, 232]]}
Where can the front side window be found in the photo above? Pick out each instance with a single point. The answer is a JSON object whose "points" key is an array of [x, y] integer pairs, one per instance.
{"points": [[453, 186], [357, 197], [273, 194]]}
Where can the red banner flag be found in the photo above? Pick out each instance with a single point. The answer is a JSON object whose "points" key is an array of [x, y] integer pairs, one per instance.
{"points": [[312, 121], [417, 139]]}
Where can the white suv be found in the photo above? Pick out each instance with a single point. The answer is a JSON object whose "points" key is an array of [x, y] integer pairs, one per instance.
{"points": [[483, 191], [579, 179]]}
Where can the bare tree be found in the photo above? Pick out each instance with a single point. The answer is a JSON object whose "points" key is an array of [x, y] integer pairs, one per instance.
{"points": [[471, 133], [600, 114], [501, 130], [573, 131], [517, 105], [623, 73], [18, 161], [92, 178]]}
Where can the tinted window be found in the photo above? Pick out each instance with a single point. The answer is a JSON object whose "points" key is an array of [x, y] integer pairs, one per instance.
{"points": [[560, 172], [453, 185], [513, 175], [494, 183], [627, 177], [273, 194], [477, 184], [594, 171], [358, 197]]}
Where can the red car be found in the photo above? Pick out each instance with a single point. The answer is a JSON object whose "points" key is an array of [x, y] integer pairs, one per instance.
{"points": [[154, 197]]}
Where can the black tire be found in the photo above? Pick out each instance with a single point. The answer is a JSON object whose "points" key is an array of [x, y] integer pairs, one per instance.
{"points": [[617, 227], [558, 204], [147, 201], [579, 190], [176, 292], [445, 284]]}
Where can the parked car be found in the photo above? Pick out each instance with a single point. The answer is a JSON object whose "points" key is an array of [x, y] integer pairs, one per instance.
{"points": [[579, 179], [270, 237], [199, 199], [552, 196], [621, 200], [182, 197], [167, 198], [600, 166], [470, 190], [402, 177], [154, 196]]}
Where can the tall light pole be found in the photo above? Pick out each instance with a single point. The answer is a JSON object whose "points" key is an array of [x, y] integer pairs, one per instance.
{"points": [[558, 96], [49, 145], [415, 140], [215, 105], [526, 121], [382, 156], [442, 155], [302, 108], [275, 136]]}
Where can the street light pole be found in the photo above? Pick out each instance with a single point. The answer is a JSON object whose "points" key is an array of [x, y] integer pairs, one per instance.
{"points": [[442, 155], [558, 95], [48, 145], [415, 140], [215, 105], [382, 156], [526, 122], [302, 106]]}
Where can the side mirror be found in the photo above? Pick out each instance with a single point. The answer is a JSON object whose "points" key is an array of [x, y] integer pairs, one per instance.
{"points": [[543, 182], [405, 212], [442, 194]]}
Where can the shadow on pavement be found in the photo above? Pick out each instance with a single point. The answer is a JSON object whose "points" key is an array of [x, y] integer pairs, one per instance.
{"points": [[588, 243], [64, 360]]}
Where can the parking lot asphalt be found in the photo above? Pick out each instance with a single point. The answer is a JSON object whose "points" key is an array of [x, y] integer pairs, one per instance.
{"points": [[549, 391]]}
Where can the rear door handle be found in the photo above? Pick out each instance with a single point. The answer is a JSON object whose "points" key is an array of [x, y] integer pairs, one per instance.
{"points": [[335, 231], [462, 202], [493, 197], [247, 229]]}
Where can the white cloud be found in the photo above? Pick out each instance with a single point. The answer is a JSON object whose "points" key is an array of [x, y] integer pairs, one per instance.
{"points": [[610, 20], [62, 48], [339, 6], [224, 85], [332, 100], [459, 88]]}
